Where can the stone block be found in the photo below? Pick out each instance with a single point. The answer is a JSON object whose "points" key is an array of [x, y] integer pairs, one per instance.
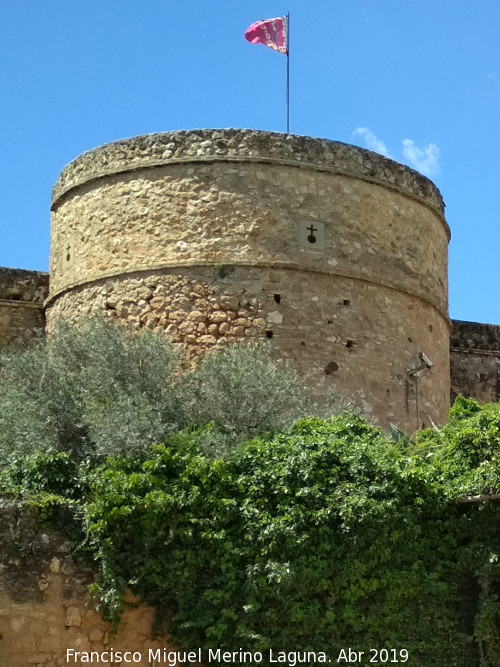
{"points": [[73, 617]]}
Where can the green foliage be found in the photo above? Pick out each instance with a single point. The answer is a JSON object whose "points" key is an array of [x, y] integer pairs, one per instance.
{"points": [[96, 391], [54, 484], [49, 472], [38, 402], [328, 536], [127, 384], [241, 394], [312, 537], [93, 390], [466, 451]]}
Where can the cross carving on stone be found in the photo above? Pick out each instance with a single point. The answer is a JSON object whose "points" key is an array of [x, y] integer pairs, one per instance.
{"points": [[311, 238]]}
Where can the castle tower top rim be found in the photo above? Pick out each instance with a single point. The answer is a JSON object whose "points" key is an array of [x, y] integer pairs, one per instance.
{"points": [[245, 145]]}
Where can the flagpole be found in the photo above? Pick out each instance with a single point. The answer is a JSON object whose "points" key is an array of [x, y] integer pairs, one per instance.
{"points": [[288, 73]]}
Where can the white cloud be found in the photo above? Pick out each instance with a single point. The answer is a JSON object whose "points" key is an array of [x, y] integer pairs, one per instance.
{"points": [[424, 160], [372, 142]]}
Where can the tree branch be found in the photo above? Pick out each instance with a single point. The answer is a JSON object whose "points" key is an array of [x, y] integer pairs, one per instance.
{"points": [[487, 497]]}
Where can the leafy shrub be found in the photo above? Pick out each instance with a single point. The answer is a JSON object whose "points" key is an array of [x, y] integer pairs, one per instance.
{"points": [[54, 484], [241, 394], [324, 537], [96, 391], [466, 450], [129, 394], [50, 472], [328, 535], [92, 390], [39, 403]]}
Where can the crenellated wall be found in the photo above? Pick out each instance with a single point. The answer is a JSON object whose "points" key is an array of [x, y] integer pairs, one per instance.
{"points": [[22, 294], [475, 361]]}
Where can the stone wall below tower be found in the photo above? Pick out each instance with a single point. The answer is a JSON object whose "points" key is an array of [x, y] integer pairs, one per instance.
{"points": [[45, 606]]}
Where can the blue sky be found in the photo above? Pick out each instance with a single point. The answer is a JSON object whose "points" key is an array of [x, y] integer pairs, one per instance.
{"points": [[419, 81]]}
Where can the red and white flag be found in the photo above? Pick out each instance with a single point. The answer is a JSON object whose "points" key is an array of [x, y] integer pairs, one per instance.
{"points": [[270, 32]]}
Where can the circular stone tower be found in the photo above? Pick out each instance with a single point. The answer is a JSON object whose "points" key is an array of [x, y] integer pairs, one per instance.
{"points": [[337, 254]]}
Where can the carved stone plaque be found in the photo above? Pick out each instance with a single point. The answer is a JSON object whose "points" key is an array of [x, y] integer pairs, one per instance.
{"points": [[312, 235]]}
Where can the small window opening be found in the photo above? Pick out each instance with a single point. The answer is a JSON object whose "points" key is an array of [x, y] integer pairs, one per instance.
{"points": [[346, 302], [331, 368], [410, 339], [330, 322], [269, 334], [277, 298], [302, 342], [350, 343], [15, 297]]}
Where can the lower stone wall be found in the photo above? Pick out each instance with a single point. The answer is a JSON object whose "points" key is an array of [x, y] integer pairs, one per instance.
{"points": [[350, 337], [475, 361], [45, 608]]}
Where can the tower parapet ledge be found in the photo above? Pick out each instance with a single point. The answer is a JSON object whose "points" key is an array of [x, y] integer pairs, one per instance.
{"points": [[152, 150]]}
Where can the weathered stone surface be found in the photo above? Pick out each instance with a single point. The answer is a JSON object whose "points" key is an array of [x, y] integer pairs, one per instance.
{"points": [[196, 325], [73, 617], [23, 286], [37, 628], [205, 235], [372, 233], [22, 294], [475, 361], [242, 145], [367, 338]]}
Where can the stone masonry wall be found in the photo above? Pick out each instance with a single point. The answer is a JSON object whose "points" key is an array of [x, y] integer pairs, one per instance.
{"points": [[319, 325], [355, 244], [22, 294], [475, 361], [45, 607], [195, 309], [251, 210]]}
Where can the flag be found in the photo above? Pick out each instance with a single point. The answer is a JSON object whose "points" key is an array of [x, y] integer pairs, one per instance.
{"points": [[270, 32]]}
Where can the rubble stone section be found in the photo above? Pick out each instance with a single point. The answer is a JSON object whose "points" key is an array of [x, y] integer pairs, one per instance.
{"points": [[325, 336], [475, 361], [195, 310], [22, 294], [196, 232], [45, 607]]}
